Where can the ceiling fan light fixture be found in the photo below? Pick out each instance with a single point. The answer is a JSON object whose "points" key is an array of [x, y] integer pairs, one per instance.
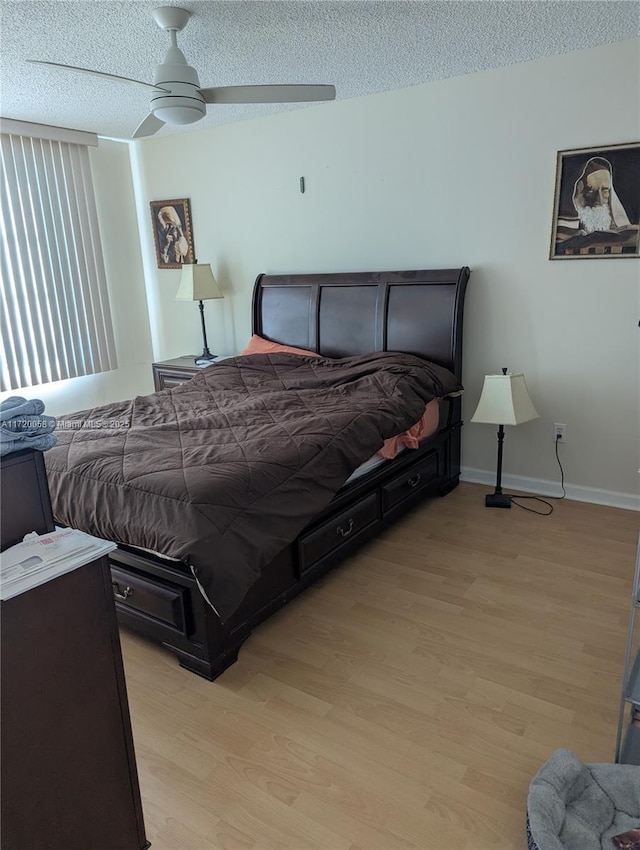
{"points": [[183, 105], [179, 114]]}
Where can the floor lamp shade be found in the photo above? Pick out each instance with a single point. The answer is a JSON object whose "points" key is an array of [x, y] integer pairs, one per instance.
{"points": [[504, 401], [197, 283]]}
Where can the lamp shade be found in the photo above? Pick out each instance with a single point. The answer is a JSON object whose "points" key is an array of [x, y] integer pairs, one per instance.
{"points": [[505, 401], [197, 283]]}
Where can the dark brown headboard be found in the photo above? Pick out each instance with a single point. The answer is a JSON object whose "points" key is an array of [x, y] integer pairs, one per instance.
{"points": [[338, 315]]}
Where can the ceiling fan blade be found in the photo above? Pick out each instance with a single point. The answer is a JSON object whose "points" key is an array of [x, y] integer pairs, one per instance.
{"points": [[93, 73], [268, 94], [148, 126]]}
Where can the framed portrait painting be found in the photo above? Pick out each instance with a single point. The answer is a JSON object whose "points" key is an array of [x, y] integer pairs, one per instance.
{"points": [[171, 221], [596, 213]]}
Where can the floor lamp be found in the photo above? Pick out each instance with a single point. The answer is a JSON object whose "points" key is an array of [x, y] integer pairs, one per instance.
{"points": [[197, 283], [504, 401]]}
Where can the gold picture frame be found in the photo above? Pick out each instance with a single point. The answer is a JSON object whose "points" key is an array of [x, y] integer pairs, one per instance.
{"points": [[172, 233], [596, 210]]}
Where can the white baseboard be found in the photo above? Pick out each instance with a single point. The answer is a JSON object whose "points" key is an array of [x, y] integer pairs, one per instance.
{"points": [[543, 487]]}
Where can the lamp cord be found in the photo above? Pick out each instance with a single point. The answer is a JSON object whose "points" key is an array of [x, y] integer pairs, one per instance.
{"points": [[538, 498]]}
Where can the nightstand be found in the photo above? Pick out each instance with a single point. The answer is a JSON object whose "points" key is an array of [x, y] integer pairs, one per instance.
{"points": [[172, 373]]}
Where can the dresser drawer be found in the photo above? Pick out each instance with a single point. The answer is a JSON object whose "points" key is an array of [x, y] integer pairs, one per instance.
{"points": [[335, 531], [162, 602], [409, 482]]}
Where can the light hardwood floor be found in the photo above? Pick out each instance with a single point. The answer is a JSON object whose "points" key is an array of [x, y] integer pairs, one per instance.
{"points": [[406, 700]]}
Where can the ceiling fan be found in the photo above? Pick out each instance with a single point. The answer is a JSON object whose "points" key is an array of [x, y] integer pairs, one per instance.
{"points": [[177, 97]]}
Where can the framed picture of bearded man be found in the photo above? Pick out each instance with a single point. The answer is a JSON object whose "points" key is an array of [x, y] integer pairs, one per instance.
{"points": [[596, 211]]}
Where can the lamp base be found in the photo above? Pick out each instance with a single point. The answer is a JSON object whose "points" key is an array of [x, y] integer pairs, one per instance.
{"points": [[205, 358], [497, 500]]}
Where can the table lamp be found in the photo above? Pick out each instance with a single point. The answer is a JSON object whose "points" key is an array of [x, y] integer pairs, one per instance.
{"points": [[197, 283], [504, 401]]}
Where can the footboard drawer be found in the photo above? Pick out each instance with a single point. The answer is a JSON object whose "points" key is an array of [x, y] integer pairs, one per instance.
{"points": [[411, 481], [336, 531], [153, 599]]}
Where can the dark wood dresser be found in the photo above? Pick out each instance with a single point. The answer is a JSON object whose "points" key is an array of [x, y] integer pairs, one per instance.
{"points": [[24, 497], [68, 770]]}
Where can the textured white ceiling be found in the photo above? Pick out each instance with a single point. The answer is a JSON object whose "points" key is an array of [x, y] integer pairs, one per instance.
{"points": [[361, 47]]}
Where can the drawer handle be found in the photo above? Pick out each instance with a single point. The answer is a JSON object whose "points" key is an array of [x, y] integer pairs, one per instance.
{"points": [[413, 482], [345, 532], [121, 597]]}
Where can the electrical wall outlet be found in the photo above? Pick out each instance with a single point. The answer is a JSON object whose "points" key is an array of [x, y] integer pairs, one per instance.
{"points": [[559, 432]]}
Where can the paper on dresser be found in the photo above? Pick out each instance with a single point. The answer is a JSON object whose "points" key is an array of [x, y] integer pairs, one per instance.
{"points": [[42, 557]]}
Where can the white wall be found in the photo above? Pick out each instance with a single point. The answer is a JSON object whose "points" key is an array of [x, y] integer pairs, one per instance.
{"points": [[458, 172], [111, 171], [117, 213]]}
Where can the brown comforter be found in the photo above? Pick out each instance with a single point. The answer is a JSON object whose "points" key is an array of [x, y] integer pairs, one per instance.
{"points": [[226, 469]]}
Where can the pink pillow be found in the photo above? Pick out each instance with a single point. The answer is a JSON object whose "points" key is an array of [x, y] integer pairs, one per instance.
{"points": [[424, 428], [259, 345]]}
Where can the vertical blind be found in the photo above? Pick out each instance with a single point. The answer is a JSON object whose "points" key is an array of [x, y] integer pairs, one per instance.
{"points": [[55, 320]]}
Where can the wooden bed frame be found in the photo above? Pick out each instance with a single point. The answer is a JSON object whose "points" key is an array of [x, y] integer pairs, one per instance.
{"points": [[418, 312]]}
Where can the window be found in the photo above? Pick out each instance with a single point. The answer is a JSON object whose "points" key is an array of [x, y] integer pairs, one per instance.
{"points": [[55, 320]]}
